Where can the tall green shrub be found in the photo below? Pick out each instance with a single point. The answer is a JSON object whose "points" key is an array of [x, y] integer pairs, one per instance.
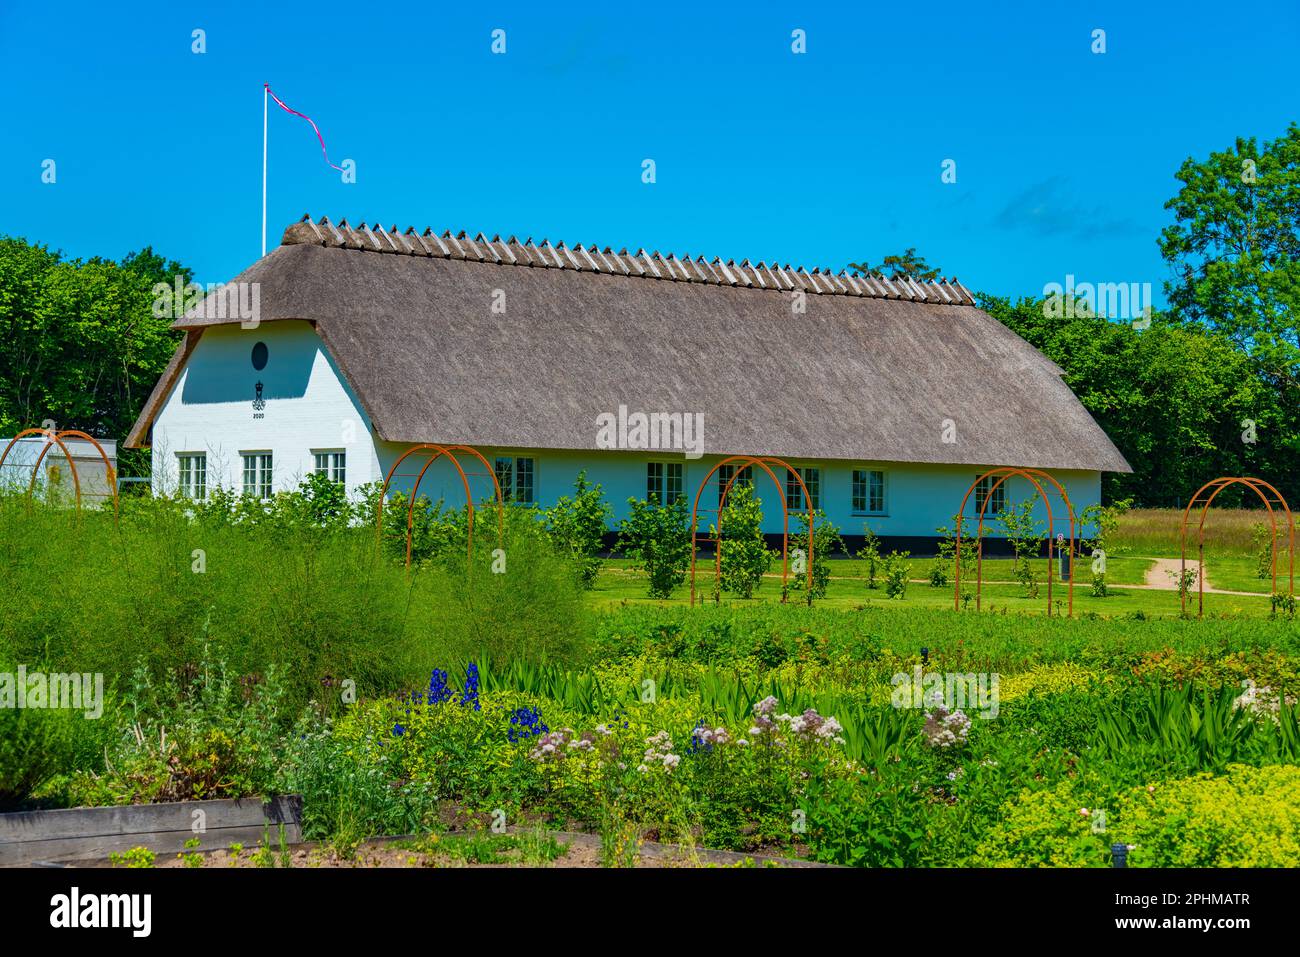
{"points": [[869, 554], [1025, 535], [745, 555], [826, 542], [657, 538], [577, 527]]}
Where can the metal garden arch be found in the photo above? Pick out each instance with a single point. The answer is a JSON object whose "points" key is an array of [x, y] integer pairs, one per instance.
{"points": [[763, 462], [56, 438], [439, 451], [1003, 473], [1206, 495]]}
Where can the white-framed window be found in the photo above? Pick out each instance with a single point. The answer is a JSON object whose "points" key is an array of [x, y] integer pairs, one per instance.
{"points": [[725, 474], [812, 477], [868, 492], [192, 469], [257, 474], [999, 500], [664, 482], [332, 465], [517, 476]]}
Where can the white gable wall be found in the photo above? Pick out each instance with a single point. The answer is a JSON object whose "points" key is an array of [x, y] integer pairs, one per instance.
{"points": [[308, 408]]}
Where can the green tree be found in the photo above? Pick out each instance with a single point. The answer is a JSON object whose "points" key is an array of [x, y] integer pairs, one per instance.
{"points": [[1025, 535], [79, 343], [870, 554], [658, 540], [1234, 248], [826, 542], [1173, 398], [908, 264], [745, 555], [577, 527]]}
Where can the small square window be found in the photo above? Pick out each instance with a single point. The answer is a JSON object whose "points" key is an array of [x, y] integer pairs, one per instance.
{"points": [[996, 496], [517, 478]]}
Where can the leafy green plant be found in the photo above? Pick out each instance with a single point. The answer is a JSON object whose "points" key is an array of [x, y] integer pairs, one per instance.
{"points": [[1242, 817], [945, 562], [658, 540], [263, 856], [1261, 541], [1282, 604], [745, 555], [869, 554], [348, 788], [35, 745], [194, 734], [826, 542], [137, 857], [1024, 533], [897, 574], [1102, 522], [577, 527], [1191, 728], [192, 859], [1184, 581], [286, 856]]}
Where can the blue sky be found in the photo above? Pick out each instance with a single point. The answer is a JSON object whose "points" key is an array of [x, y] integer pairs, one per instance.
{"points": [[1064, 158]]}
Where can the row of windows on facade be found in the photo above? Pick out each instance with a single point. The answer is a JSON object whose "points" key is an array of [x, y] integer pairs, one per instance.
{"points": [[665, 481], [514, 475], [192, 470]]}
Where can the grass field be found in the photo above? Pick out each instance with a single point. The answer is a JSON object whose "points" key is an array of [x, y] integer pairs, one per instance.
{"points": [[1122, 570], [227, 644], [1158, 531], [616, 587], [1143, 536]]}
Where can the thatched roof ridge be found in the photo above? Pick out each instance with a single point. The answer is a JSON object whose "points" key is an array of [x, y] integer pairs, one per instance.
{"points": [[644, 263]]}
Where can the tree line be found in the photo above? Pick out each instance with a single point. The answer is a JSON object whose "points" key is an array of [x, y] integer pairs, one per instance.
{"points": [[1209, 386]]}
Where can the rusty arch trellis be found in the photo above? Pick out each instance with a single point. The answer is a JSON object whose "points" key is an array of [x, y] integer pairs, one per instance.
{"points": [[53, 438], [1205, 496], [438, 452], [765, 463], [1003, 473]]}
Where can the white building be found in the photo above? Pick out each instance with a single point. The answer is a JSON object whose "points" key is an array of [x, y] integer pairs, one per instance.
{"points": [[889, 396]]}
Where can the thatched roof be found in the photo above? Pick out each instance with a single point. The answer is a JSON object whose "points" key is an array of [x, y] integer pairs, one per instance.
{"points": [[868, 372]]}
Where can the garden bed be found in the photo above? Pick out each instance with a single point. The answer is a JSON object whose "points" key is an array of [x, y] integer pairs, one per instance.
{"points": [[516, 848]]}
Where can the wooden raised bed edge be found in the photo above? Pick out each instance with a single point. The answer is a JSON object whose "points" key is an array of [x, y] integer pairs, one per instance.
{"points": [[85, 833]]}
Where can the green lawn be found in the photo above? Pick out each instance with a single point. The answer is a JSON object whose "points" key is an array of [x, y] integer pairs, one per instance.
{"points": [[617, 586], [1119, 570], [1237, 573], [1143, 536]]}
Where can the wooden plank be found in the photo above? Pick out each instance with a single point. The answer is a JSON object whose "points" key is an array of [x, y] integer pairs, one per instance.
{"points": [[98, 847], [81, 822]]}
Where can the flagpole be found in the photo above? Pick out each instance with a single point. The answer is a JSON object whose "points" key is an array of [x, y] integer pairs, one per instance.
{"points": [[265, 89]]}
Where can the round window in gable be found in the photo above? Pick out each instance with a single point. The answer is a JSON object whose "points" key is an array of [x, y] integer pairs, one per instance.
{"points": [[260, 354]]}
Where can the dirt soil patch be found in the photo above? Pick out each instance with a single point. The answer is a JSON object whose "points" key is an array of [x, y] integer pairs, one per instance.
{"points": [[515, 848]]}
